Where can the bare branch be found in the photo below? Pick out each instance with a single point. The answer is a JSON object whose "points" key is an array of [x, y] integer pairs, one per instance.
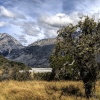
{"points": [[65, 64]]}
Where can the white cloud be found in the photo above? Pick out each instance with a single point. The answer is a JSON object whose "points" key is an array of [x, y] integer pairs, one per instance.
{"points": [[57, 20], [9, 14], [30, 28], [2, 24], [6, 13], [50, 24]]}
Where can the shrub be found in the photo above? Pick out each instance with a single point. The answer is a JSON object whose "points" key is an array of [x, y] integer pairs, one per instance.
{"points": [[41, 76]]}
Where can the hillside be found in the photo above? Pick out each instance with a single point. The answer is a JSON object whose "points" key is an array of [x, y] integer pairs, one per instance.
{"points": [[44, 42], [10, 64]]}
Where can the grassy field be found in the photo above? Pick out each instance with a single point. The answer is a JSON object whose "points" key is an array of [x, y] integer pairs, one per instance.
{"points": [[42, 90]]}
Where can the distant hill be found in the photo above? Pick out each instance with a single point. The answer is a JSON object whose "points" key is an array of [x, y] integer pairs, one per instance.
{"points": [[10, 64], [44, 42]]}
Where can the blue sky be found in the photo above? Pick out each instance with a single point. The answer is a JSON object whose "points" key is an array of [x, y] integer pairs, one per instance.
{"points": [[32, 20]]}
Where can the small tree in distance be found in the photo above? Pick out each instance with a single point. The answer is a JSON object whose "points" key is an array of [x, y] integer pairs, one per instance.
{"points": [[78, 51]]}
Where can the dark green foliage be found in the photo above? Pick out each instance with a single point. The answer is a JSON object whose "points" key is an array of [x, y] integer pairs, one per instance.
{"points": [[87, 55], [64, 51], [41, 76], [5, 74], [14, 74], [78, 52], [19, 65], [24, 76], [3, 61]]}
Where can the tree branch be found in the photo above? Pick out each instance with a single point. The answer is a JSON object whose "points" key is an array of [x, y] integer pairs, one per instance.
{"points": [[70, 63]]}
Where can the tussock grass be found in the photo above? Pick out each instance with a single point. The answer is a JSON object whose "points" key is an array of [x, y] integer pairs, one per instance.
{"points": [[42, 90]]}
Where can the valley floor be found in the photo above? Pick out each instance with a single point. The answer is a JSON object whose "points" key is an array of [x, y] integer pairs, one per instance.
{"points": [[42, 90]]}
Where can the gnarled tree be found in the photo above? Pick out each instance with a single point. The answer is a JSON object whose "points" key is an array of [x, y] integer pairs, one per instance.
{"points": [[78, 51]]}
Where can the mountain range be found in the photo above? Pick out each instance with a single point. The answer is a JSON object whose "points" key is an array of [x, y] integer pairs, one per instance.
{"points": [[34, 55]]}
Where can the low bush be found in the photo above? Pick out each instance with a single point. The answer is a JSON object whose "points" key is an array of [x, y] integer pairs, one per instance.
{"points": [[41, 76]]}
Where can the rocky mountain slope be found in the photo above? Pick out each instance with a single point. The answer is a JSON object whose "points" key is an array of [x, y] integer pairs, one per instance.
{"points": [[8, 43], [35, 55]]}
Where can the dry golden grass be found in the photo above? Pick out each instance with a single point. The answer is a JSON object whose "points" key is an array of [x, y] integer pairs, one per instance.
{"points": [[42, 90]]}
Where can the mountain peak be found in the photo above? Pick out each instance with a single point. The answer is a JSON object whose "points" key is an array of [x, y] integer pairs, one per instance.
{"points": [[5, 38], [8, 43], [3, 34]]}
